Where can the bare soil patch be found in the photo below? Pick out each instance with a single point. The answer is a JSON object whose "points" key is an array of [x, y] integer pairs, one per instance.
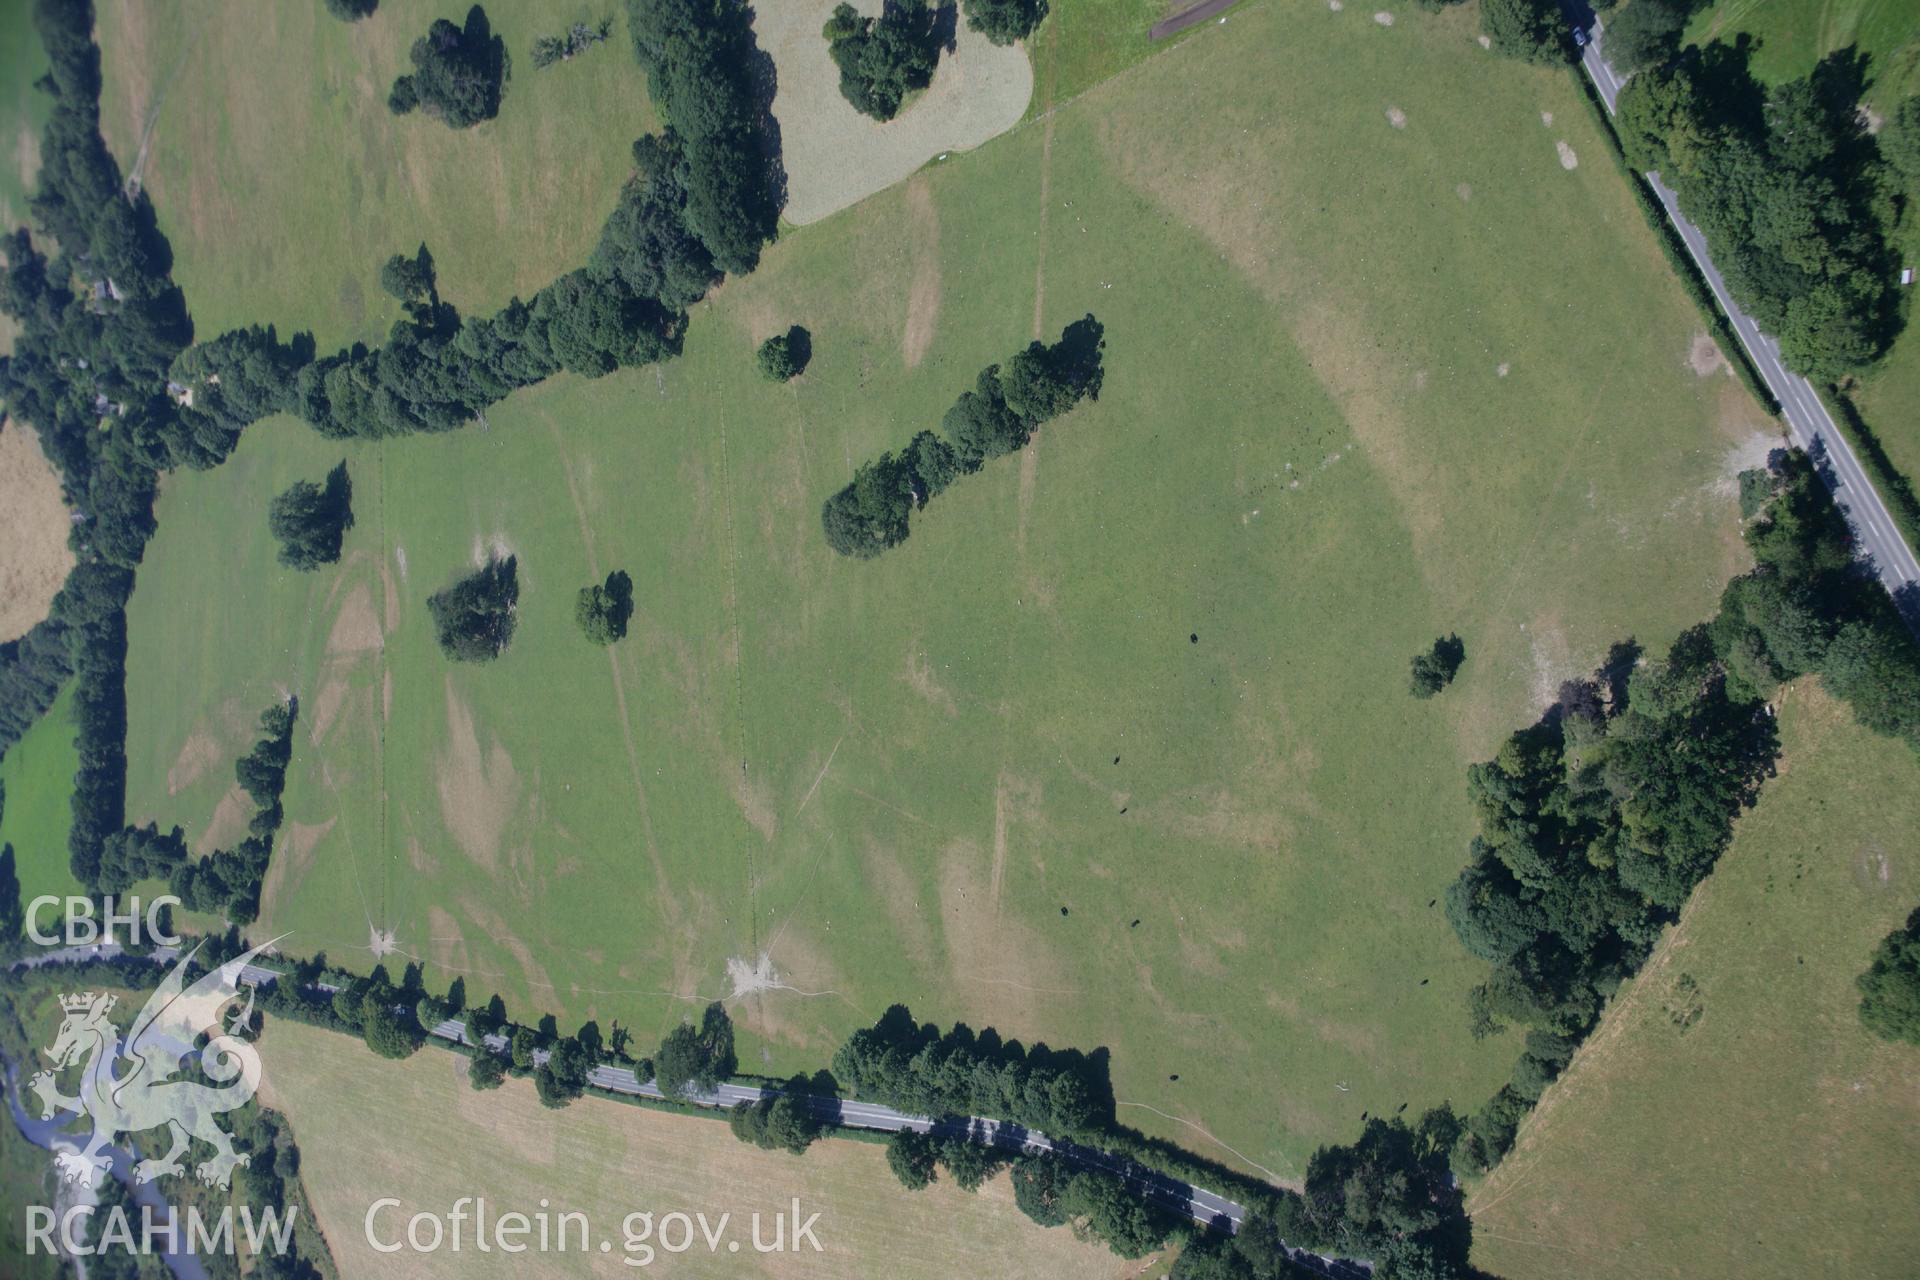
{"points": [[33, 530], [477, 789], [923, 295], [228, 823], [1568, 160], [291, 862], [356, 628], [199, 753], [998, 960], [326, 707], [920, 679], [1704, 357], [834, 155]]}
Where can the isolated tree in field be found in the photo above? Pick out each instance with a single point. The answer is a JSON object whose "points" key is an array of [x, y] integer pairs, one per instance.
{"points": [[1643, 34], [1005, 21], [474, 618], [310, 520], [1434, 670], [1530, 30], [457, 73], [785, 355], [410, 279], [883, 59], [696, 1059], [602, 611], [352, 10], [1890, 988], [911, 1157]]}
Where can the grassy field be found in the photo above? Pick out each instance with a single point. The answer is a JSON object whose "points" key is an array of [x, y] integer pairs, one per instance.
{"points": [[26, 1177], [1771, 1136], [38, 776], [33, 528], [391, 1135], [1116, 750], [23, 109], [1886, 398], [1792, 35], [283, 181]]}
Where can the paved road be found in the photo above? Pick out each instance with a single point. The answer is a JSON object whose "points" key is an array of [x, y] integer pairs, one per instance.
{"points": [[1808, 421], [1197, 1203], [1192, 17]]}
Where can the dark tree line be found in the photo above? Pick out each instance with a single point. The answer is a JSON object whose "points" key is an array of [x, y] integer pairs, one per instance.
{"points": [[1789, 188], [883, 59], [100, 322], [474, 618], [1598, 822], [228, 881], [912, 1066], [1533, 31], [1389, 1197], [714, 88], [1093, 1202], [457, 73], [309, 520], [704, 198], [32, 669], [13, 916], [1008, 403]]}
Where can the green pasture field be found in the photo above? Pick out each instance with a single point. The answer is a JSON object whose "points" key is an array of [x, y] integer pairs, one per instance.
{"points": [[1792, 35], [1116, 751], [37, 773], [1888, 395], [23, 109], [26, 1177], [283, 182], [1731, 1118]]}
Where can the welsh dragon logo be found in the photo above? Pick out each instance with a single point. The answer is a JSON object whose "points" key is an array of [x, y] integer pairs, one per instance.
{"points": [[142, 1095]]}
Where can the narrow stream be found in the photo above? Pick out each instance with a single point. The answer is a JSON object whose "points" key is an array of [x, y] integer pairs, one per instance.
{"points": [[48, 1136]]}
